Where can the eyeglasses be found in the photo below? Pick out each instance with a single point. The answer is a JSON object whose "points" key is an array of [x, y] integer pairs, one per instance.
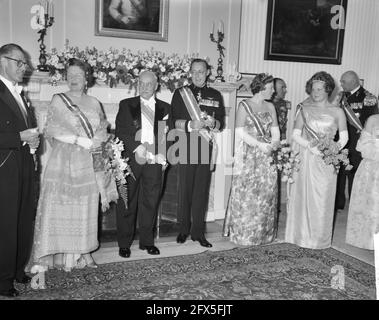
{"points": [[20, 63]]}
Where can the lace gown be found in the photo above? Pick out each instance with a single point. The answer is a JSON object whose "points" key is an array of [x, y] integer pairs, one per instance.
{"points": [[67, 216], [363, 217], [251, 217], [310, 206]]}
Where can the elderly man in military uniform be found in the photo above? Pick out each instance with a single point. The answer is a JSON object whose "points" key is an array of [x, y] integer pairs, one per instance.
{"points": [[359, 105], [198, 111]]}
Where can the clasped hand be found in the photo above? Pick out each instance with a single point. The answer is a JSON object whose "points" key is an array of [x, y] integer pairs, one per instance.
{"points": [[208, 122], [31, 137]]}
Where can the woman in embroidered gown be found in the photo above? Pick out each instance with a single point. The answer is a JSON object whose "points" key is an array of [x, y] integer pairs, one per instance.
{"points": [[252, 211], [310, 207], [363, 218], [67, 215]]}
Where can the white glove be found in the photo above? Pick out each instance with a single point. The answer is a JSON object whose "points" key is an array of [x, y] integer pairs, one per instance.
{"points": [[265, 147], [296, 136], [315, 151], [344, 137], [86, 143]]}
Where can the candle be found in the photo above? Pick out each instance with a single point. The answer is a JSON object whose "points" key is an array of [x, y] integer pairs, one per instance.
{"points": [[46, 7], [213, 27], [52, 9], [221, 26]]}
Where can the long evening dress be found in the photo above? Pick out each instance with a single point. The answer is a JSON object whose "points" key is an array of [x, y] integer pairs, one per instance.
{"points": [[67, 216], [310, 206], [363, 217], [251, 217]]}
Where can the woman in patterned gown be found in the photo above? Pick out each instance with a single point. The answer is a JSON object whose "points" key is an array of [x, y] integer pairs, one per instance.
{"points": [[252, 210], [363, 217], [310, 206], [67, 215]]}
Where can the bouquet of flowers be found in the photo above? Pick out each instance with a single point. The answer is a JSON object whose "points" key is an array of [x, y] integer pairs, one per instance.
{"points": [[116, 165], [331, 153], [285, 160], [114, 66]]}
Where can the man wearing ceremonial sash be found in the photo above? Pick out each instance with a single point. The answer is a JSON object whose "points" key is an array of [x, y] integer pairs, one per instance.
{"points": [[359, 105], [141, 124], [197, 110]]}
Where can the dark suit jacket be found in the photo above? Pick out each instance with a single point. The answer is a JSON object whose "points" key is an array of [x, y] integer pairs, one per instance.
{"points": [[11, 124], [364, 104], [128, 124], [211, 102]]}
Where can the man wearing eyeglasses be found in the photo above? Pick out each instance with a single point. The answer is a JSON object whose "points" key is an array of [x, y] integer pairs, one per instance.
{"points": [[18, 140]]}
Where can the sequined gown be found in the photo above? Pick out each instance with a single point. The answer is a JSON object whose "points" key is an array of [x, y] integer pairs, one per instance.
{"points": [[363, 216], [251, 217], [310, 206]]}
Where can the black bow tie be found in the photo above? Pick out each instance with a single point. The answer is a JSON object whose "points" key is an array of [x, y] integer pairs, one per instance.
{"points": [[347, 94]]}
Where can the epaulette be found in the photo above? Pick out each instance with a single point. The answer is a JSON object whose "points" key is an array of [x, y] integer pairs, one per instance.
{"points": [[370, 99]]}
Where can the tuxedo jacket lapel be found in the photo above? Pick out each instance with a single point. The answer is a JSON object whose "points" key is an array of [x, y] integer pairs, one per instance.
{"points": [[10, 101], [135, 112]]}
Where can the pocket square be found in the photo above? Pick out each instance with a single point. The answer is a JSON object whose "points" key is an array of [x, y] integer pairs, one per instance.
{"points": [[165, 117]]}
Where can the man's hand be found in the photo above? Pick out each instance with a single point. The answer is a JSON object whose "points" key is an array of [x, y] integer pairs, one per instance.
{"points": [[127, 19], [197, 124], [29, 135], [160, 159], [210, 122], [141, 152]]}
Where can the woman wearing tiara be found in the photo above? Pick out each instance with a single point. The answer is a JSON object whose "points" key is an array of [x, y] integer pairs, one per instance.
{"points": [[252, 212], [310, 206]]}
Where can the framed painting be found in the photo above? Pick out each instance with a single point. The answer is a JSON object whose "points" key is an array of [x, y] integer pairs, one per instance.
{"points": [[138, 19], [305, 30], [244, 85]]}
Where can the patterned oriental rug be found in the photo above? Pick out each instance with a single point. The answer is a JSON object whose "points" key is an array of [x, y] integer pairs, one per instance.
{"points": [[276, 271]]}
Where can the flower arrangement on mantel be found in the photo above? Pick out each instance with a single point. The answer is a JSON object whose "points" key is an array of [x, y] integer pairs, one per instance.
{"points": [[113, 67]]}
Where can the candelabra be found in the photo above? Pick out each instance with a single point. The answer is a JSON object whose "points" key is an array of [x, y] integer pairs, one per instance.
{"points": [[46, 23], [220, 49]]}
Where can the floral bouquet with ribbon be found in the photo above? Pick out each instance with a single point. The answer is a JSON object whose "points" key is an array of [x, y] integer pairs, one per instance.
{"points": [[331, 153], [116, 165], [285, 160]]}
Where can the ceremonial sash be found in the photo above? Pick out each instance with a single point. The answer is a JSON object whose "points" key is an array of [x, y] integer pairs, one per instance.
{"points": [[258, 125], [79, 114], [195, 114], [194, 110], [97, 154], [350, 115], [307, 128]]}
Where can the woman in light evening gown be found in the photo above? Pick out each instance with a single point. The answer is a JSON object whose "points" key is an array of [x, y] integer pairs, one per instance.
{"points": [[67, 215], [310, 206], [252, 212], [363, 217]]}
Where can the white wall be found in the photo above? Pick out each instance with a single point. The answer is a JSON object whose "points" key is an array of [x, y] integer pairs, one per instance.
{"points": [[360, 52], [189, 27]]}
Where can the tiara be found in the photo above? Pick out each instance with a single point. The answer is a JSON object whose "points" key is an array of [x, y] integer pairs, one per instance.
{"points": [[315, 80]]}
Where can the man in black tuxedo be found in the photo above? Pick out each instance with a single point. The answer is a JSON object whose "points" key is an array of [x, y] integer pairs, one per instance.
{"points": [[18, 140], [195, 168], [363, 104], [142, 123]]}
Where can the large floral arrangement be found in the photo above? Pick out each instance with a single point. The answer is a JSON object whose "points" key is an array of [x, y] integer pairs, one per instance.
{"points": [[331, 153], [286, 161], [114, 66]]}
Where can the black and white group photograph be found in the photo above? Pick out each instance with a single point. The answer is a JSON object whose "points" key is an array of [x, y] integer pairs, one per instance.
{"points": [[188, 156]]}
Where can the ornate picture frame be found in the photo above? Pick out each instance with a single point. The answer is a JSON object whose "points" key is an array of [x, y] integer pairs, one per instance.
{"points": [[305, 30], [136, 19]]}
